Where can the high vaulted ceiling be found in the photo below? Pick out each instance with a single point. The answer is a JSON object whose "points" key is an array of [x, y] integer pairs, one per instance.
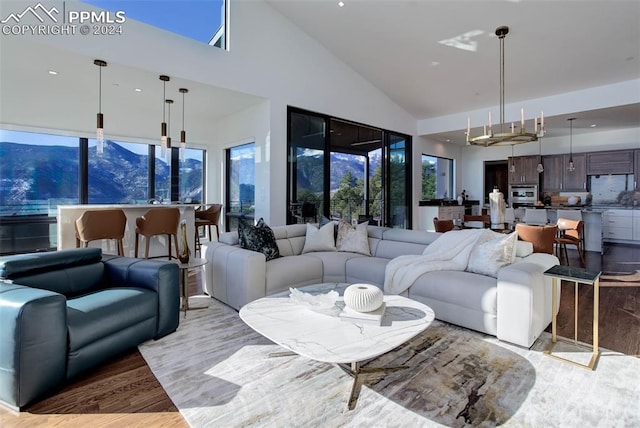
{"points": [[553, 47]]}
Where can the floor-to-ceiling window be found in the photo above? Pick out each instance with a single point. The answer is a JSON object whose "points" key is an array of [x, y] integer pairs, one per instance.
{"points": [[240, 189], [345, 170], [40, 171], [437, 178]]}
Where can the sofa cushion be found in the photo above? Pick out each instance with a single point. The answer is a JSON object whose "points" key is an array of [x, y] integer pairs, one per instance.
{"points": [[369, 270], [353, 239], [97, 315], [319, 239], [466, 289], [292, 271], [258, 238], [491, 252], [334, 264]]}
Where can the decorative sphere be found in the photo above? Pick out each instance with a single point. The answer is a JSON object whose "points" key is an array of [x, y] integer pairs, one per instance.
{"points": [[363, 297]]}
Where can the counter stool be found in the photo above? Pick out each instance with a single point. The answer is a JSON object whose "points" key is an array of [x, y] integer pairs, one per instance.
{"points": [[158, 221], [207, 218], [94, 225]]}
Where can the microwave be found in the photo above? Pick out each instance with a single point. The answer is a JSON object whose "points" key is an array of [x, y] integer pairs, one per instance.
{"points": [[523, 194]]}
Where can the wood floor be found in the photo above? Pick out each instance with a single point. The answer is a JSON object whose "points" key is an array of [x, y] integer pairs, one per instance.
{"points": [[126, 393]]}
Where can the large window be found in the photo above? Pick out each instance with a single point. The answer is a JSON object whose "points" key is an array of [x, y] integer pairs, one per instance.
{"points": [[206, 21], [345, 170], [38, 172], [437, 178], [241, 174]]}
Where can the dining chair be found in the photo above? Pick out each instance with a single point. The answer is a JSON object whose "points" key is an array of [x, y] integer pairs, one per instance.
{"points": [[535, 216], [443, 225], [477, 221], [94, 225], [570, 232], [542, 237]]}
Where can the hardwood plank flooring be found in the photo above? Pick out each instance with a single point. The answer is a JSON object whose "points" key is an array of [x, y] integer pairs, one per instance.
{"points": [[126, 393]]}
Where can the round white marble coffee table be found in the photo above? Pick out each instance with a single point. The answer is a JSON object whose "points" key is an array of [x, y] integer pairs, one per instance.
{"points": [[331, 339]]}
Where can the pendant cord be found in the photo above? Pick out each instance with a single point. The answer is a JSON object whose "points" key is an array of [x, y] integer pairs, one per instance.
{"points": [[501, 82]]}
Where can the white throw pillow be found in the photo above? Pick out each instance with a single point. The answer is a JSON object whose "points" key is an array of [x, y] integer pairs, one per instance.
{"points": [[319, 239], [353, 239], [491, 252], [523, 248]]}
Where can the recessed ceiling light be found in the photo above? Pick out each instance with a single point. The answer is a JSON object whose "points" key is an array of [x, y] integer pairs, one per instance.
{"points": [[53, 72], [341, 3], [593, 125], [434, 63], [138, 90]]}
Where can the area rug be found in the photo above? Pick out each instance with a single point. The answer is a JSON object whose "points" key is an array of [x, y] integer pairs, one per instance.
{"points": [[218, 373]]}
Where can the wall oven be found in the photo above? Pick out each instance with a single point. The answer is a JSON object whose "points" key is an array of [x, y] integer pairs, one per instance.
{"points": [[523, 195]]}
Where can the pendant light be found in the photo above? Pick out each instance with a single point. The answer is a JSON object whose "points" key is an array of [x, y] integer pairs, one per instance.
{"points": [[168, 102], [571, 167], [183, 133], [540, 167], [163, 125], [512, 168], [100, 118]]}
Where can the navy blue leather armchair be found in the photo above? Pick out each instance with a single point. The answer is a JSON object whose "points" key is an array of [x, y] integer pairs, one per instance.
{"points": [[64, 312]]}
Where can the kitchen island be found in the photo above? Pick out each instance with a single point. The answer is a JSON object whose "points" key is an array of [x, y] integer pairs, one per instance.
{"points": [[67, 215]]}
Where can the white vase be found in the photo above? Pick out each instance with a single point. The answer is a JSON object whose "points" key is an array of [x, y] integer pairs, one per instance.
{"points": [[363, 297]]}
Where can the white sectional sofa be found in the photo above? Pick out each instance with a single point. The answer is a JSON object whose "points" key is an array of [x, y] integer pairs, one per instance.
{"points": [[515, 306]]}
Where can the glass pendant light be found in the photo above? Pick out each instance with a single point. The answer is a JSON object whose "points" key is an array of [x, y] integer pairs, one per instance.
{"points": [[163, 125], [168, 152], [100, 118], [540, 167], [512, 168], [571, 167]]}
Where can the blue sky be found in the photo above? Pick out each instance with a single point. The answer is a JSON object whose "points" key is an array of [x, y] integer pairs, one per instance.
{"points": [[196, 19]]}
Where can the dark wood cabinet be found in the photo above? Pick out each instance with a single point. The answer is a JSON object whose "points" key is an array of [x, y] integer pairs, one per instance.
{"points": [[552, 175], [557, 177], [610, 162], [525, 170], [576, 180]]}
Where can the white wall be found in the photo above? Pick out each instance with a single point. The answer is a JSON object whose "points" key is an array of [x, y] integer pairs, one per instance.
{"points": [[250, 125], [270, 58]]}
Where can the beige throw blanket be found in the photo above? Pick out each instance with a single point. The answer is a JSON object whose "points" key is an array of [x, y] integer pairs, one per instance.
{"points": [[449, 252]]}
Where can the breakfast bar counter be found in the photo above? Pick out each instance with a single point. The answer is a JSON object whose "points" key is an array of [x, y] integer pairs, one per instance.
{"points": [[67, 215]]}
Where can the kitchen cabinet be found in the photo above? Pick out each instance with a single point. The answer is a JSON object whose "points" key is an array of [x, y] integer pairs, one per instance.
{"points": [[617, 224], [636, 225], [557, 178], [525, 169], [610, 162]]}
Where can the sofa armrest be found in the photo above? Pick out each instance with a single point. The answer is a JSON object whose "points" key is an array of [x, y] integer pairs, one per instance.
{"points": [[234, 275], [160, 276], [524, 299], [33, 343]]}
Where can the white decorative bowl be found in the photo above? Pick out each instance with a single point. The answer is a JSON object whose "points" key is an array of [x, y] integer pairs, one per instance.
{"points": [[363, 297], [573, 200]]}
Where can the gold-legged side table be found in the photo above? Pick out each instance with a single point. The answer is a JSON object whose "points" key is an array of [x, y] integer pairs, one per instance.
{"points": [[576, 275]]}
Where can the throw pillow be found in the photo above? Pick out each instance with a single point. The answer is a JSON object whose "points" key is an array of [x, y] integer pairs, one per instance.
{"points": [[491, 252], [319, 239], [259, 238], [353, 239]]}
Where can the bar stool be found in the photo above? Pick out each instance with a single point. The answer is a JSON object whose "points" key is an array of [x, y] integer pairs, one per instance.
{"points": [[94, 225], [158, 221], [209, 217]]}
